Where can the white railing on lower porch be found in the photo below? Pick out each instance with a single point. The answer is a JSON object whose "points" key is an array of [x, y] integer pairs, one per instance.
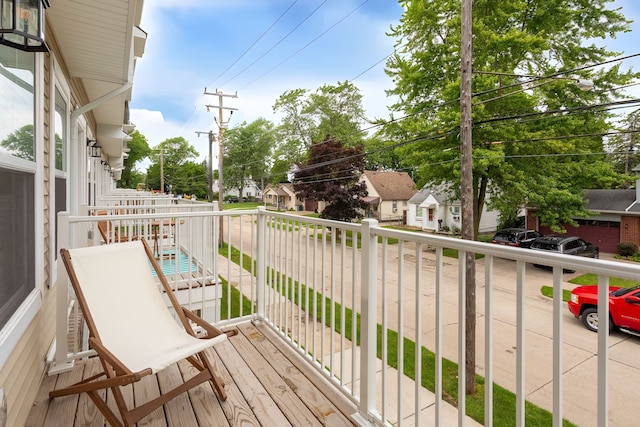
{"points": [[343, 295]]}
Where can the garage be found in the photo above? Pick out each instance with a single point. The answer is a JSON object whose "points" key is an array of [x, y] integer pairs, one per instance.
{"points": [[604, 234]]}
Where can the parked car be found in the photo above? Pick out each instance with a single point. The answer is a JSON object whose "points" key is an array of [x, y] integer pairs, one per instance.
{"points": [[624, 308], [515, 237], [569, 245]]}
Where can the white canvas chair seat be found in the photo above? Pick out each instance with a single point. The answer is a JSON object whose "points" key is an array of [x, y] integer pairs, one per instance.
{"points": [[130, 326]]}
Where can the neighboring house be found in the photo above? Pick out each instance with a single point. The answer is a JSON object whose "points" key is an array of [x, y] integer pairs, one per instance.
{"points": [[437, 210], [617, 219], [250, 190], [60, 100], [282, 197], [389, 194]]}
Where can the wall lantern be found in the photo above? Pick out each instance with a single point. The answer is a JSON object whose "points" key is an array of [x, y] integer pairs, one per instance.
{"points": [[22, 24], [95, 149]]}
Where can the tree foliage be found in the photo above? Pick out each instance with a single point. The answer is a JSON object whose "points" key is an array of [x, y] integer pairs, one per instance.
{"points": [[309, 116], [625, 146], [535, 140], [247, 154], [166, 159], [21, 143], [138, 150], [332, 175]]}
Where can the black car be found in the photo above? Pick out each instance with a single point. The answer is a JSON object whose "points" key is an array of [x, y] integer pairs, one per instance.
{"points": [[516, 237], [569, 245]]}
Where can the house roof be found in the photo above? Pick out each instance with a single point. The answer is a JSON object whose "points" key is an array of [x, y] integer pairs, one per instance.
{"points": [[392, 185], [440, 196], [611, 200]]}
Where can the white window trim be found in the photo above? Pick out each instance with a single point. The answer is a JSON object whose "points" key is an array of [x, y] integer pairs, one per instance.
{"points": [[59, 83]]}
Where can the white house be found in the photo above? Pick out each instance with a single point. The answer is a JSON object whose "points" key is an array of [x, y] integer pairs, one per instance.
{"points": [[437, 210]]}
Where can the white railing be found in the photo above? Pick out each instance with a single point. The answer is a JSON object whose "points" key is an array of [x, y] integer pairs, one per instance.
{"points": [[320, 284]]}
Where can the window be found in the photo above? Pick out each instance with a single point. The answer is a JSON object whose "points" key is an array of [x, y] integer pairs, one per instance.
{"points": [[431, 210], [17, 246], [17, 103], [60, 135], [17, 180]]}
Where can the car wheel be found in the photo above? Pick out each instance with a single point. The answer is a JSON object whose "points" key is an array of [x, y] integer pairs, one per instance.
{"points": [[590, 320]]}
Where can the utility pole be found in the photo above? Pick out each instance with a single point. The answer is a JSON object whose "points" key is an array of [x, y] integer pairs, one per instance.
{"points": [[221, 126], [212, 137], [466, 194]]}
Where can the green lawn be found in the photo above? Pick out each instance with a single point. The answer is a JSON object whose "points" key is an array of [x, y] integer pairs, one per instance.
{"points": [[588, 279]]}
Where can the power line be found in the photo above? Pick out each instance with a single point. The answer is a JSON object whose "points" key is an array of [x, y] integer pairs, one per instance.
{"points": [[255, 42], [307, 45], [276, 45]]}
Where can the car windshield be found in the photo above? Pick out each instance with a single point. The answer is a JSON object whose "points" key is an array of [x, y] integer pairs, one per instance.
{"points": [[622, 291]]}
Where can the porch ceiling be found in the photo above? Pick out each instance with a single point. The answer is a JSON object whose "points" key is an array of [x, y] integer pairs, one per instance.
{"points": [[99, 41]]}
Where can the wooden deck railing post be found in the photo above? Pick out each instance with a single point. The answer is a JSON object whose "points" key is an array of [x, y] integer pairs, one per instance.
{"points": [[368, 308], [261, 277]]}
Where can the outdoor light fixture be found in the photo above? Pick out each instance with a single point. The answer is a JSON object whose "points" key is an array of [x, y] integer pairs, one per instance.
{"points": [[22, 24], [96, 150]]}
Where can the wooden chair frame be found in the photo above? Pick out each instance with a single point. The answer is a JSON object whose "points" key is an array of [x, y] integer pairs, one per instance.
{"points": [[117, 374]]}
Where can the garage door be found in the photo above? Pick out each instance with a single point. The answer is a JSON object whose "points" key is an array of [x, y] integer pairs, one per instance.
{"points": [[604, 234]]}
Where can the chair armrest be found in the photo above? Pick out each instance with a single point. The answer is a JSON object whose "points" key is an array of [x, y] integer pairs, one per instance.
{"points": [[211, 330]]}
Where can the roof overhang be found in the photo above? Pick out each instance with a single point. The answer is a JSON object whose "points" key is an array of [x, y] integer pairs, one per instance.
{"points": [[99, 42]]}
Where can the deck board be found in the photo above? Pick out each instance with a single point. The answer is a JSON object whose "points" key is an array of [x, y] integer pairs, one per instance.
{"points": [[265, 386]]}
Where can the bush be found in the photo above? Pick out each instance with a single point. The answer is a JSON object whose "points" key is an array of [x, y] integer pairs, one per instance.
{"points": [[627, 248]]}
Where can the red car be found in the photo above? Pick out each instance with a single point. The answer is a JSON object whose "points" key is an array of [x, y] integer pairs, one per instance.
{"points": [[624, 307]]}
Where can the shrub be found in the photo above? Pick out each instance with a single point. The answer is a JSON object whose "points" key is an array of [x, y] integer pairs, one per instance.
{"points": [[627, 248]]}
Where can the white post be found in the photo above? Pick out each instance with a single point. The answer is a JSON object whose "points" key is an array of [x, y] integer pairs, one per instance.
{"points": [[60, 363], [261, 279], [368, 304]]}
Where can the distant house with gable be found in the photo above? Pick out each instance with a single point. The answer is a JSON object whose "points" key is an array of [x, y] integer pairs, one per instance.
{"points": [[282, 197], [389, 194]]}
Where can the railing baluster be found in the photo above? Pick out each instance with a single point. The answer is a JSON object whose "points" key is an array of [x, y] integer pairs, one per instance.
{"points": [[557, 346], [418, 328], [520, 344], [438, 343], [488, 340], [462, 349], [400, 373]]}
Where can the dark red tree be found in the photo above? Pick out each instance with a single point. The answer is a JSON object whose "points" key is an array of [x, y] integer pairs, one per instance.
{"points": [[332, 175]]}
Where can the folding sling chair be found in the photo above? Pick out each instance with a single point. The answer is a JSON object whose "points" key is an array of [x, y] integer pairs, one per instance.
{"points": [[131, 328]]}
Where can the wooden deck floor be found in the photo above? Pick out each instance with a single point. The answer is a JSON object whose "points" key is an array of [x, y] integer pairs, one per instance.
{"points": [[266, 382]]}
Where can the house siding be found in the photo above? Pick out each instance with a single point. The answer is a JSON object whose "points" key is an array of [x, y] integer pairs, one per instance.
{"points": [[24, 369]]}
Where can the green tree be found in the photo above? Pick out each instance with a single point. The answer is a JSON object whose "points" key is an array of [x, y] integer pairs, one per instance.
{"points": [[625, 146], [535, 141], [545, 158], [190, 178], [332, 174], [166, 159], [247, 153], [308, 116], [21, 143], [138, 150]]}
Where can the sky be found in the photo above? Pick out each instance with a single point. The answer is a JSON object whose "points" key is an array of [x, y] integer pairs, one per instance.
{"points": [[258, 49]]}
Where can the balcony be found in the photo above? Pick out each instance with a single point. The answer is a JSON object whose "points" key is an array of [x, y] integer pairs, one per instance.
{"points": [[342, 302]]}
